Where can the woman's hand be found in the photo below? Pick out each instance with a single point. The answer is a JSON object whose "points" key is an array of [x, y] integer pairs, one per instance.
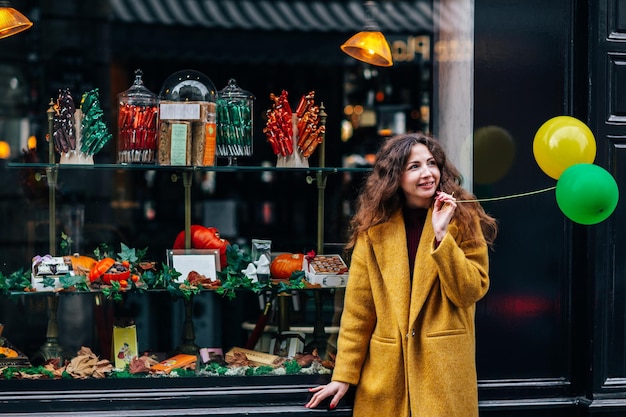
{"points": [[443, 210], [335, 388]]}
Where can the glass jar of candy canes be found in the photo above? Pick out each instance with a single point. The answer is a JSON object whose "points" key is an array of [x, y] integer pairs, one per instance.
{"points": [[234, 122], [137, 124]]}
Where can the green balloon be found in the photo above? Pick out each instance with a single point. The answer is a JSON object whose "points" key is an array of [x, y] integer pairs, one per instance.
{"points": [[586, 193]]}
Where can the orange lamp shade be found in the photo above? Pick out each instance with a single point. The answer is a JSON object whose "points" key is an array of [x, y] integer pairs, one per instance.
{"points": [[370, 47], [11, 21]]}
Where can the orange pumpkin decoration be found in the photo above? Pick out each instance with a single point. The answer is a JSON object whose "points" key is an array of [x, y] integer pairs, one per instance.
{"points": [[81, 264], [285, 264], [117, 276], [100, 268]]}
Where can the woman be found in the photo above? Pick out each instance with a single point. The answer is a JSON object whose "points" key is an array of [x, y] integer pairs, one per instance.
{"points": [[418, 264]]}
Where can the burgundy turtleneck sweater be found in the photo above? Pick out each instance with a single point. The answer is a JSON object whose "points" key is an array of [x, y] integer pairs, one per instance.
{"points": [[414, 219]]}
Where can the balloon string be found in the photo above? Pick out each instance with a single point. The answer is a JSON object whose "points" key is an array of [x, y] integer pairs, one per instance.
{"points": [[506, 197]]}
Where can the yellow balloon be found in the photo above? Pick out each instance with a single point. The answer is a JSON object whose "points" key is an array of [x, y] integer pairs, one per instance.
{"points": [[494, 153], [561, 142]]}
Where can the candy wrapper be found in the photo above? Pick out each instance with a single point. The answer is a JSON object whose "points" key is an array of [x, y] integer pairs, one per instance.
{"points": [[66, 134], [63, 122], [78, 133], [94, 132], [294, 136]]}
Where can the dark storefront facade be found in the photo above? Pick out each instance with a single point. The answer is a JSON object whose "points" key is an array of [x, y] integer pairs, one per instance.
{"points": [[551, 334]]}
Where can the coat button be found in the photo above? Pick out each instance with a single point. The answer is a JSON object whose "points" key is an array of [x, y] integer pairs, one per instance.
{"points": [[412, 332]]}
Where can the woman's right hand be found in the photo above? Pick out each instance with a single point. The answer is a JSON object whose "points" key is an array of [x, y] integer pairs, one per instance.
{"points": [[335, 388]]}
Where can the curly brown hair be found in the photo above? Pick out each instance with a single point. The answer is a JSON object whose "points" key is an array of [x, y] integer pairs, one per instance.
{"points": [[381, 195]]}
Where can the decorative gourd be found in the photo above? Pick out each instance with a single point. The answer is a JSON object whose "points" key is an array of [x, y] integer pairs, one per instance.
{"points": [[285, 264], [81, 264], [108, 270], [116, 275], [100, 268]]}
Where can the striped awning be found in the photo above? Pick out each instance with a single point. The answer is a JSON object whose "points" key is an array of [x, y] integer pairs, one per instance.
{"points": [[395, 16]]}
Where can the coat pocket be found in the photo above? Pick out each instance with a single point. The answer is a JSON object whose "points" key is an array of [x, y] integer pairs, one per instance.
{"points": [[383, 339], [448, 332]]}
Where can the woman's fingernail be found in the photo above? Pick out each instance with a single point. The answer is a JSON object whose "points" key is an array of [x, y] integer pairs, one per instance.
{"points": [[332, 406]]}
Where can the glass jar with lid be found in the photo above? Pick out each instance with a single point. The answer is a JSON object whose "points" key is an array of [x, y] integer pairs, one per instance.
{"points": [[137, 124], [187, 115], [234, 122]]}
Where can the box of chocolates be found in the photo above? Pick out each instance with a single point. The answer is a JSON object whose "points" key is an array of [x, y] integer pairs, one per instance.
{"points": [[47, 270], [326, 271]]}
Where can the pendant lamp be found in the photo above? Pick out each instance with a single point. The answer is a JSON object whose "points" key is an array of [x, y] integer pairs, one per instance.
{"points": [[11, 21], [369, 45]]}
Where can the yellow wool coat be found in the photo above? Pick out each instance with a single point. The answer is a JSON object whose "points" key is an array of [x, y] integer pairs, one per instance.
{"points": [[410, 348]]}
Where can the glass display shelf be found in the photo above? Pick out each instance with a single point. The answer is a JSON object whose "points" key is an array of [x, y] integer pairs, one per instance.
{"points": [[149, 291], [314, 175], [185, 168]]}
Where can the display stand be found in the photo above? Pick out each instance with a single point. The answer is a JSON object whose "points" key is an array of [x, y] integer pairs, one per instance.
{"points": [[51, 349], [233, 395], [189, 345], [319, 334], [75, 156], [189, 336], [295, 160]]}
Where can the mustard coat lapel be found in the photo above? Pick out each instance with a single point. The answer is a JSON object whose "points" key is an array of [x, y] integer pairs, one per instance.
{"points": [[390, 247], [425, 272]]}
